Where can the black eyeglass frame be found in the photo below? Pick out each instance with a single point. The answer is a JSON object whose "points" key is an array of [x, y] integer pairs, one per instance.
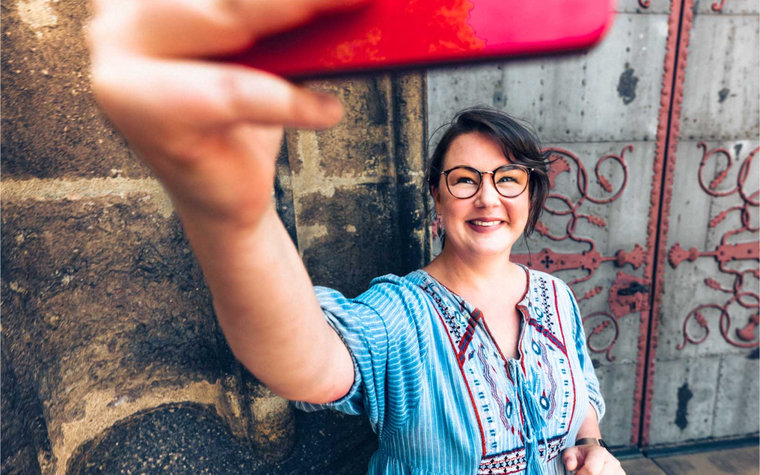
{"points": [[528, 171]]}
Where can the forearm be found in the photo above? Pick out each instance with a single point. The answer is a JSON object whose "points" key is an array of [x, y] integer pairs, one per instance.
{"points": [[211, 132], [267, 308]]}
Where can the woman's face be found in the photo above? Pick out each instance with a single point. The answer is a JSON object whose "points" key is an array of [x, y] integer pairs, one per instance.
{"points": [[487, 224]]}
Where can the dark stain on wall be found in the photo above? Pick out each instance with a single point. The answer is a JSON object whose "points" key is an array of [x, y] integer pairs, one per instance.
{"points": [[192, 438], [723, 94], [98, 294], [684, 396], [369, 209], [175, 438], [627, 85], [24, 432]]}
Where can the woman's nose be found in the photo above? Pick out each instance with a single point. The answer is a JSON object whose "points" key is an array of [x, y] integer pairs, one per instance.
{"points": [[487, 194]]}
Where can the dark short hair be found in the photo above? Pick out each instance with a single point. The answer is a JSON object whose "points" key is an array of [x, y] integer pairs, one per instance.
{"points": [[516, 138]]}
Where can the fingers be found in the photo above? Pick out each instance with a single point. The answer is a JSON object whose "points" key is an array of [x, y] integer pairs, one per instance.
{"points": [[206, 95], [199, 28], [592, 465], [591, 460]]}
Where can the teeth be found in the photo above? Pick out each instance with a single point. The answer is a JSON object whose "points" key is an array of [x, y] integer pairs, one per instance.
{"points": [[485, 223]]}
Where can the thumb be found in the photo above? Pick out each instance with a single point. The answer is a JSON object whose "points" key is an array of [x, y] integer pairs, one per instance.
{"points": [[570, 458]]}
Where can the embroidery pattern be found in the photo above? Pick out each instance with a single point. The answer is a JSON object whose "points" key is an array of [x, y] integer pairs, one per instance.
{"points": [[453, 323], [514, 460], [551, 398], [492, 390]]}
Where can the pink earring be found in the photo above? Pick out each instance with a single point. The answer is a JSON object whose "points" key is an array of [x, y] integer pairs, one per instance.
{"points": [[437, 227]]}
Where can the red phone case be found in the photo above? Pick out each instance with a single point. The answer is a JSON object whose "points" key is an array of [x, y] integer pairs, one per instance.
{"points": [[391, 34]]}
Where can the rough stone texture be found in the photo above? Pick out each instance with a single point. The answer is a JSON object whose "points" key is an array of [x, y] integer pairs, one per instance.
{"points": [[191, 438], [51, 126], [352, 191], [111, 354], [103, 305], [22, 423], [176, 438]]}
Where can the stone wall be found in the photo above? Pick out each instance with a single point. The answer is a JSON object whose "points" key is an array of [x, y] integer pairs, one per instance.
{"points": [[111, 356]]}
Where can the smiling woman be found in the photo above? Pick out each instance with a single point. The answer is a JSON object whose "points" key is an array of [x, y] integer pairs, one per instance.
{"points": [[473, 364]]}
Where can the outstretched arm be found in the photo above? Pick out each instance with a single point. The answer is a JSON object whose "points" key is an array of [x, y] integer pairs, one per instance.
{"points": [[211, 133]]}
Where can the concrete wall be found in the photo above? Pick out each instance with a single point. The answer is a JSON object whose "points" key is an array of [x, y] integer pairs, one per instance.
{"points": [[706, 377], [631, 114]]}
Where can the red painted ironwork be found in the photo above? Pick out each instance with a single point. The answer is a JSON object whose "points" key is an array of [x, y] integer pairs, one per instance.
{"points": [[680, 22], [589, 259], [726, 253], [627, 295], [604, 326], [718, 6], [601, 323]]}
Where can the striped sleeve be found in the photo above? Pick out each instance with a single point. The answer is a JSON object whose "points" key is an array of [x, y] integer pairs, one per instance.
{"points": [[385, 332], [592, 382]]}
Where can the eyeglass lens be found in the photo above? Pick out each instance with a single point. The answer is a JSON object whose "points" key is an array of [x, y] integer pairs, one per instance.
{"points": [[510, 181]]}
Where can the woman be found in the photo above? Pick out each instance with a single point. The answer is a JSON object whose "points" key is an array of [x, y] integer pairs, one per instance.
{"points": [[448, 388]]}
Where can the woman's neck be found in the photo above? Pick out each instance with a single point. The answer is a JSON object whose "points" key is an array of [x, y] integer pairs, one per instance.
{"points": [[467, 276]]}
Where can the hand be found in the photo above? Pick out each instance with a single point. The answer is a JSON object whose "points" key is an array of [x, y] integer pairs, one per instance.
{"points": [[591, 460], [210, 131]]}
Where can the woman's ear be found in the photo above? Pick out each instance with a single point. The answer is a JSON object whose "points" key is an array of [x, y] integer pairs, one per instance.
{"points": [[435, 192]]}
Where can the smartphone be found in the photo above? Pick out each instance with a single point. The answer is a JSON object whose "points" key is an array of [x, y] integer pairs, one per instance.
{"points": [[392, 34]]}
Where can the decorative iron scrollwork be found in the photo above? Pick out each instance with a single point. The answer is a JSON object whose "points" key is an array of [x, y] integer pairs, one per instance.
{"points": [[696, 328], [718, 6], [628, 294]]}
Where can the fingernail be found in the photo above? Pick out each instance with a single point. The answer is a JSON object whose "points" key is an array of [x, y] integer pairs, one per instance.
{"points": [[331, 106]]}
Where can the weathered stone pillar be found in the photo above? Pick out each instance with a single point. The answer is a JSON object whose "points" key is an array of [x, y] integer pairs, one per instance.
{"points": [[111, 356]]}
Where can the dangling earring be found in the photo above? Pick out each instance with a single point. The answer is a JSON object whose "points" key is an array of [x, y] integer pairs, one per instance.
{"points": [[437, 227]]}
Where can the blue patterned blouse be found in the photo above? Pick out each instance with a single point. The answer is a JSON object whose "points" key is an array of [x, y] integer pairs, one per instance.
{"points": [[437, 390]]}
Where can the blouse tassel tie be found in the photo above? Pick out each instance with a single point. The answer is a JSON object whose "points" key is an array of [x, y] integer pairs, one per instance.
{"points": [[535, 425]]}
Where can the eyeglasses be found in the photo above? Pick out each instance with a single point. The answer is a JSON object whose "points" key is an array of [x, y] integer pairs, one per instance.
{"points": [[509, 180]]}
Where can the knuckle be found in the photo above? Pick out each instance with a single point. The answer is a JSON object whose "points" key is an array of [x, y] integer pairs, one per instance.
{"points": [[232, 94], [231, 8], [235, 15]]}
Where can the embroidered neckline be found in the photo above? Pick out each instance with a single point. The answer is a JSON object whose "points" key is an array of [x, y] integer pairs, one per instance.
{"points": [[528, 396], [478, 316]]}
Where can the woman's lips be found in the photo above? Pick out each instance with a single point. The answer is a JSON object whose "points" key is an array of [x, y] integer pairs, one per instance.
{"points": [[484, 224]]}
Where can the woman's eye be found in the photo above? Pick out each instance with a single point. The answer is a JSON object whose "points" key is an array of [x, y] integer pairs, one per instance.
{"points": [[507, 179], [465, 180]]}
